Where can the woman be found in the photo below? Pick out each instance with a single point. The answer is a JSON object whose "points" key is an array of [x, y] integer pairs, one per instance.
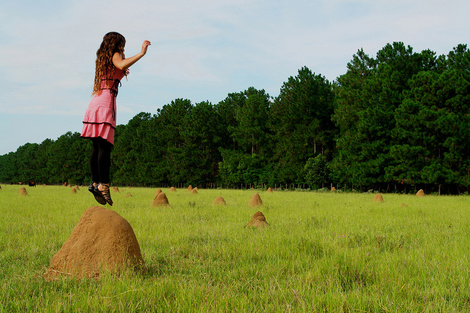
{"points": [[99, 122]]}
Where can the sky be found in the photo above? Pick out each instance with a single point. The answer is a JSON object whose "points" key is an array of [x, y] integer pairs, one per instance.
{"points": [[201, 50]]}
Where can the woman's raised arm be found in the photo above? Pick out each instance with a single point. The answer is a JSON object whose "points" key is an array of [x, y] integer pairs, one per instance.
{"points": [[124, 64]]}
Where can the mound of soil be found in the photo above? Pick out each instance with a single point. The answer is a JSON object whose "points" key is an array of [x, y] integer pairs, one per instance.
{"points": [[219, 201], [258, 220], [420, 193], [23, 191], [102, 242], [270, 190], [157, 192], [160, 200], [255, 200], [378, 198], [172, 189]]}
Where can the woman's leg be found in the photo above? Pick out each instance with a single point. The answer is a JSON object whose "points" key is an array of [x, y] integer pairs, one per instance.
{"points": [[104, 164], [104, 160], [95, 172]]}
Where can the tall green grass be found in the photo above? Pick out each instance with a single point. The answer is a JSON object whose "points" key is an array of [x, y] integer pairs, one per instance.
{"points": [[323, 252]]}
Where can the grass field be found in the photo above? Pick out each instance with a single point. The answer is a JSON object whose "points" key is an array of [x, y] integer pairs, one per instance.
{"points": [[323, 252]]}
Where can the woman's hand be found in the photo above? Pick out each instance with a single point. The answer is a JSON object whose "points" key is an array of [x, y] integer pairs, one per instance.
{"points": [[145, 46]]}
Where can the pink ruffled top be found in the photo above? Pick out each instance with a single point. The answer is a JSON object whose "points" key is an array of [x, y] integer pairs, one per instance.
{"points": [[100, 117]]}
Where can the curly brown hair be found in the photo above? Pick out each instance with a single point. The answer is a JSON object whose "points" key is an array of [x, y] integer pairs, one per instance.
{"points": [[112, 42]]}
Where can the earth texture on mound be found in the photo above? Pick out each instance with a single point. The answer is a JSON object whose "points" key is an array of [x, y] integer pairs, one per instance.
{"points": [[102, 242], [255, 200], [219, 201], [258, 220], [160, 200], [378, 198], [420, 193]]}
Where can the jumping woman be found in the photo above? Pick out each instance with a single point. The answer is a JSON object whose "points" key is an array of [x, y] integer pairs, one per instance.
{"points": [[99, 123]]}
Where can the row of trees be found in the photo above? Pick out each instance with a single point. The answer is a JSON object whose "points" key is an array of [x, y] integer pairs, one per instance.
{"points": [[395, 122]]}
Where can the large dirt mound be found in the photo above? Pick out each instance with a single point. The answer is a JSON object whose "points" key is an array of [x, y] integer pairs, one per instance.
{"points": [[160, 200], [258, 220], [255, 201], [102, 242]]}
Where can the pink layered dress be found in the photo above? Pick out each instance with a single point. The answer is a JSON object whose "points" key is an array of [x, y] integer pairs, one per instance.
{"points": [[100, 117]]}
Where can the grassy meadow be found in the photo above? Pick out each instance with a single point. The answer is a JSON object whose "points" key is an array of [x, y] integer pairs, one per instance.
{"points": [[323, 252]]}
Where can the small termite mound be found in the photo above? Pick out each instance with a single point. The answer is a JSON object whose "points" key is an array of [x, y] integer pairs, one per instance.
{"points": [[219, 201], [255, 200], [258, 220], [420, 193], [160, 200], [378, 198], [23, 191]]}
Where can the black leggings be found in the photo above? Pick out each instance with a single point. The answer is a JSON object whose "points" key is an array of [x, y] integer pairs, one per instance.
{"points": [[100, 160]]}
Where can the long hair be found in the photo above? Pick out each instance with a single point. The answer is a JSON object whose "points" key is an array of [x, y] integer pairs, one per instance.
{"points": [[112, 42]]}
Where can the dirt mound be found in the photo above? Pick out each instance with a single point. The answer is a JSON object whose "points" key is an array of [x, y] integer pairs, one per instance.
{"points": [[102, 242], [255, 200], [420, 193], [258, 220], [270, 190], [378, 198], [23, 191], [157, 192], [194, 191], [160, 200], [172, 189], [219, 201]]}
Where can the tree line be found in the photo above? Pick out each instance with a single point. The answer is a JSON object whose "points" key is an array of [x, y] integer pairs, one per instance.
{"points": [[396, 122]]}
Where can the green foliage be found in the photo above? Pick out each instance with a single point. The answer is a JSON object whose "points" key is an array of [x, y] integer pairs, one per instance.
{"points": [[317, 172], [301, 124]]}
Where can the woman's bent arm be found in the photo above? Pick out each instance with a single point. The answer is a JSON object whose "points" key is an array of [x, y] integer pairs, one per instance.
{"points": [[124, 64]]}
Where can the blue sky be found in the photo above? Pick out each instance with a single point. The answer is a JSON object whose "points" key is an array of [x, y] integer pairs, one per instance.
{"points": [[201, 50]]}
